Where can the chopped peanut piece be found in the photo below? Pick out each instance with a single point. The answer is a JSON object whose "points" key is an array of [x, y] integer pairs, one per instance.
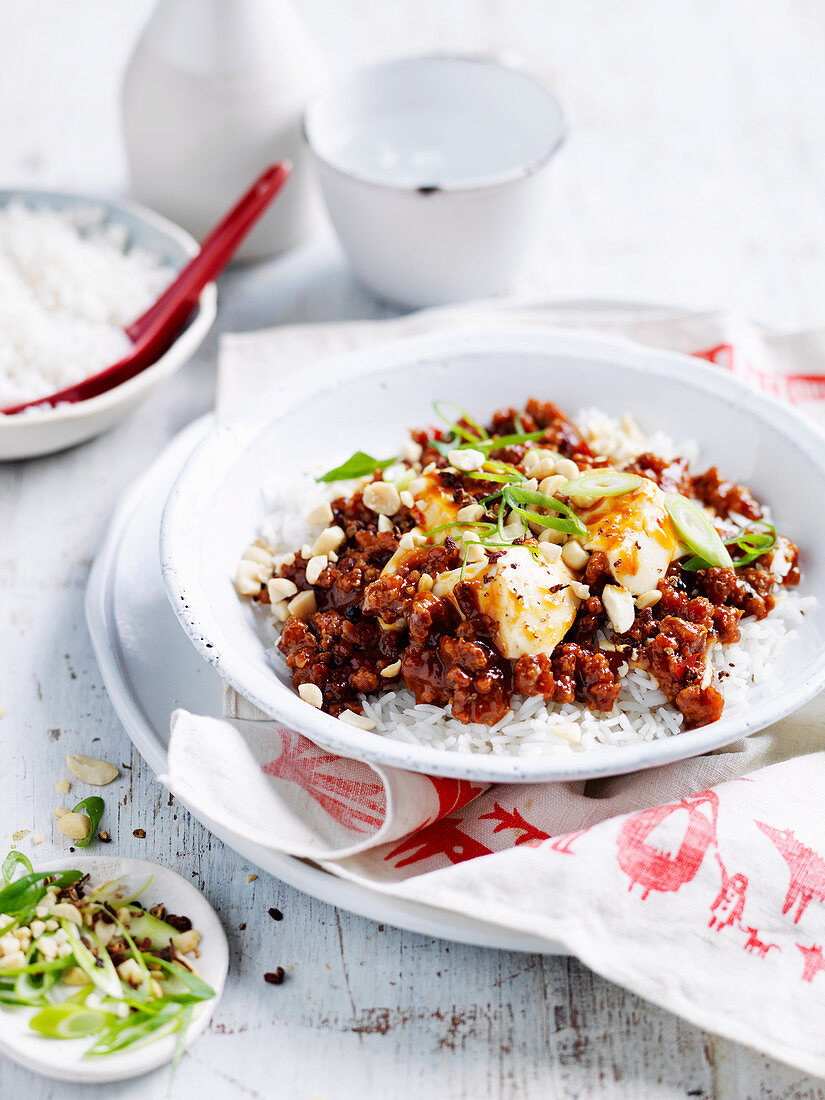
{"points": [[382, 498], [321, 515], [303, 605], [359, 720], [312, 694], [75, 826], [98, 773]]}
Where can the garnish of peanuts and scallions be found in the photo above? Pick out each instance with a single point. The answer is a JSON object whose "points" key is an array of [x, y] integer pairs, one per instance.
{"points": [[706, 546], [92, 961]]}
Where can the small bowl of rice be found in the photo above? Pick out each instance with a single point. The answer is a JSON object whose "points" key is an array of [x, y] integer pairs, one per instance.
{"points": [[74, 272]]}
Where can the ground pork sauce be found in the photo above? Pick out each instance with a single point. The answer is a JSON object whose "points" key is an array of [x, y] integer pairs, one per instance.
{"points": [[444, 649]]}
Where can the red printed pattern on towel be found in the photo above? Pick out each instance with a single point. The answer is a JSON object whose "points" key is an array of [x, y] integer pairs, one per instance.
{"points": [[356, 804], [795, 388]]}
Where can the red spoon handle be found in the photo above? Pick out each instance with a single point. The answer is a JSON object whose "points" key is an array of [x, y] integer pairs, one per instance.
{"points": [[159, 326], [216, 251]]}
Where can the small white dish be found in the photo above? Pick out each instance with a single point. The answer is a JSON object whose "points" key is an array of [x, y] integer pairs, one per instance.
{"points": [[431, 168], [126, 606], [366, 399], [63, 1059], [44, 431]]}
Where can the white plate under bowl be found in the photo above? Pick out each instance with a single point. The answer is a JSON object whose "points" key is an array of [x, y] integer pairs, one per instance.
{"points": [[126, 610], [365, 400], [63, 1059], [45, 431]]}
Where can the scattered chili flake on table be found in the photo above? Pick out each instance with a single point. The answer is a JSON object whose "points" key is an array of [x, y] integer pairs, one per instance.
{"points": [[139, 833], [275, 977], [276, 914], [104, 836]]}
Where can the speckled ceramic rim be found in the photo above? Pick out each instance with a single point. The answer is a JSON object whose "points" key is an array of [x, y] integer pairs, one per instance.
{"points": [[231, 437], [172, 359], [435, 187]]}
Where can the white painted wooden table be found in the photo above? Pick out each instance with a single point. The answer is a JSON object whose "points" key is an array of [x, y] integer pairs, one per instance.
{"points": [[695, 174]]}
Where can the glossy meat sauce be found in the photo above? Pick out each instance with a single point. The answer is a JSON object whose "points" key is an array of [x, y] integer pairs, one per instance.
{"points": [[444, 649]]}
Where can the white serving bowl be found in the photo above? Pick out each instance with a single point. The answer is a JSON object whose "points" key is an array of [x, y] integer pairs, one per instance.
{"points": [[64, 1059], [44, 431], [365, 400], [432, 172]]}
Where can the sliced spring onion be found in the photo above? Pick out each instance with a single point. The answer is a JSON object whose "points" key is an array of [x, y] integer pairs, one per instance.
{"points": [[194, 990], [358, 465], [753, 542], [514, 494], [34, 968], [36, 982], [499, 467], [13, 860], [496, 443], [8, 997], [459, 523], [595, 484], [499, 479], [138, 1029], [396, 470], [697, 532], [444, 446], [554, 523], [105, 977], [21, 896], [454, 425], [93, 808], [143, 925], [406, 479], [70, 1021]]}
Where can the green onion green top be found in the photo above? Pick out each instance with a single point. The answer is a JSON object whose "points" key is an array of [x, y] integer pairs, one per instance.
{"points": [[697, 532], [124, 1014], [596, 484]]}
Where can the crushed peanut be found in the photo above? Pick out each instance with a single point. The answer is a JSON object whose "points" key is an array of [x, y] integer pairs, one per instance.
{"points": [[312, 694], [329, 540], [382, 498], [575, 556], [566, 468], [320, 516], [281, 588], [466, 460], [303, 605], [315, 567], [618, 603], [358, 720], [98, 773], [648, 599]]}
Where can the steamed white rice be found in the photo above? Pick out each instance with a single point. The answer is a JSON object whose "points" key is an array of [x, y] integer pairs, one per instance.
{"points": [[68, 288], [533, 727]]}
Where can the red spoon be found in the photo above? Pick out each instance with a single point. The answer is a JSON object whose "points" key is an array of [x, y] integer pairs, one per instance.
{"points": [[155, 330]]}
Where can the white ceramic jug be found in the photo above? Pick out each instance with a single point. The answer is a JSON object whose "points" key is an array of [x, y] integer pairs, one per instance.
{"points": [[214, 91]]}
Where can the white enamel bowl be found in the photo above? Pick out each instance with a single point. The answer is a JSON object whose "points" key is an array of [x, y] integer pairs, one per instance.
{"points": [[432, 169], [63, 1059], [365, 400], [42, 432]]}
